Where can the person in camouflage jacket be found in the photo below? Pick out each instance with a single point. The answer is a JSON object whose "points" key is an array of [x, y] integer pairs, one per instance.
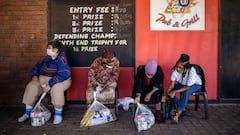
{"points": [[102, 78]]}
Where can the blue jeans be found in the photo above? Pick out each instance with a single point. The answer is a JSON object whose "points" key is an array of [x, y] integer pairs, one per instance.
{"points": [[183, 101]]}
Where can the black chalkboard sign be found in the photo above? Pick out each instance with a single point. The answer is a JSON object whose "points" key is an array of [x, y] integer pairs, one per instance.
{"points": [[87, 27]]}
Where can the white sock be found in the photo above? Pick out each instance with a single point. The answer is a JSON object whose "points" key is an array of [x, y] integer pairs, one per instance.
{"points": [[28, 109], [58, 112]]}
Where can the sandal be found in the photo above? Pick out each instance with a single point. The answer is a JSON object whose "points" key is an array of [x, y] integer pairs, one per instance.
{"points": [[176, 117]]}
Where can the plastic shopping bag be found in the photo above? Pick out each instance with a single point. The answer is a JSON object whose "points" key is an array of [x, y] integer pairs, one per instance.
{"points": [[125, 102], [144, 118], [96, 114], [40, 114]]}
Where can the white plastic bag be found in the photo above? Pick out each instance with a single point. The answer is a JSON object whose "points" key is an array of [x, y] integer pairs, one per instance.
{"points": [[96, 114], [144, 118], [125, 102], [40, 114]]}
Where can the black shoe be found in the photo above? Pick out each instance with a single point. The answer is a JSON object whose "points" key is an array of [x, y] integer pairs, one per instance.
{"points": [[158, 118]]}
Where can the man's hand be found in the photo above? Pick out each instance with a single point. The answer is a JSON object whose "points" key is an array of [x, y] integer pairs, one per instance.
{"points": [[46, 88], [35, 78]]}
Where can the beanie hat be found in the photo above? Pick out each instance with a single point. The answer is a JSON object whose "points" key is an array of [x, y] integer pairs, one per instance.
{"points": [[151, 67]]}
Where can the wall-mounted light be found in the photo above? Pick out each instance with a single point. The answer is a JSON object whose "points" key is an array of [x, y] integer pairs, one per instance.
{"points": [[183, 3]]}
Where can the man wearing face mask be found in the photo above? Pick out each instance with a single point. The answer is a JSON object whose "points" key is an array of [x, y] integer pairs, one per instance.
{"points": [[185, 80], [148, 87], [102, 78], [51, 74]]}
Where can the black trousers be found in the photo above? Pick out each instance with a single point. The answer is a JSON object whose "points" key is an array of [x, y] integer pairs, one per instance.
{"points": [[155, 98]]}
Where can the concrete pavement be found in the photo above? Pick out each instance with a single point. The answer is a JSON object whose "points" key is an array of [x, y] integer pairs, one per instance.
{"points": [[224, 119]]}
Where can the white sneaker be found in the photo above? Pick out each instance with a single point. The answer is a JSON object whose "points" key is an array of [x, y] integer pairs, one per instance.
{"points": [[57, 119], [23, 118]]}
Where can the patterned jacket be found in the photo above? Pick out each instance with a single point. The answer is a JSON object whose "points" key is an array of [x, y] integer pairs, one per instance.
{"points": [[98, 73], [58, 69]]}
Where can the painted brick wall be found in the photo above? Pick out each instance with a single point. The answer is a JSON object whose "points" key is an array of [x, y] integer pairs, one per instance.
{"points": [[23, 38]]}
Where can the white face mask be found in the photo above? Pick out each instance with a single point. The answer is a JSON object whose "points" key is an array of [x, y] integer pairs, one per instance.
{"points": [[50, 52], [149, 76], [109, 66]]}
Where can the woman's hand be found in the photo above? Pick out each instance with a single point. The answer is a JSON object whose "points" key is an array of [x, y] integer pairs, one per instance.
{"points": [[147, 97], [137, 100], [172, 93], [164, 98]]}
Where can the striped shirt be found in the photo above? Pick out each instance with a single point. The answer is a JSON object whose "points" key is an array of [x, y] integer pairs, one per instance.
{"points": [[58, 69]]}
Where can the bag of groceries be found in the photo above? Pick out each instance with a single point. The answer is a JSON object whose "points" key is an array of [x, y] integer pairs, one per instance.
{"points": [[96, 114], [40, 114], [144, 118]]}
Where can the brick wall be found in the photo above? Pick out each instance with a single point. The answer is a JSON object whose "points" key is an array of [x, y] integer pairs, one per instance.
{"points": [[23, 39]]}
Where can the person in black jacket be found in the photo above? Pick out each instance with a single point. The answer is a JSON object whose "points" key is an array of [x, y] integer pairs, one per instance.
{"points": [[148, 86]]}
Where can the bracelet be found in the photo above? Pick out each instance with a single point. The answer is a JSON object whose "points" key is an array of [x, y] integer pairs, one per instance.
{"points": [[155, 88]]}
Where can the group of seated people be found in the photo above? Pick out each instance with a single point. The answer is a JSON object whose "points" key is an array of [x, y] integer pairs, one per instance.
{"points": [[52, 74]]}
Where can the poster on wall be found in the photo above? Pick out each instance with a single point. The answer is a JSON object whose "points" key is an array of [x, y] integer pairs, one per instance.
{"points": [[87, 27], [177, 14]]}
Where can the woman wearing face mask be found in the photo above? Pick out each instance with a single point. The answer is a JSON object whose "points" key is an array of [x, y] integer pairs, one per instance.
{"points": [[52, 74], [102, 78], [184, 80], [148, 87]]}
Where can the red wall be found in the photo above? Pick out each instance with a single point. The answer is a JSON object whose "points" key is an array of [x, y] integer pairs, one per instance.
{"points": [[77, 91], [165, 47]]}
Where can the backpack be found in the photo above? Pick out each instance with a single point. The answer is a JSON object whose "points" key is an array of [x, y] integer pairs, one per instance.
{"points": [[200, 72]]}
